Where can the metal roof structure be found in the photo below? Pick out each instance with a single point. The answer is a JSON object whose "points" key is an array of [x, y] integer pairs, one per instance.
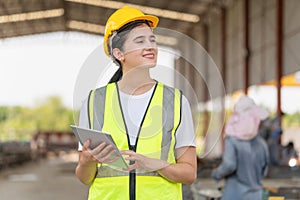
{"points": [[25, 17]]}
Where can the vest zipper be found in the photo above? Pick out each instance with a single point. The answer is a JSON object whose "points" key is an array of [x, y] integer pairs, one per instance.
{"points": [[132, 174], [132, 178]]}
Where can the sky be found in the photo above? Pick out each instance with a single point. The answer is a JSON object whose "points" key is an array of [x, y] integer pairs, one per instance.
{"points": [[35, 67]]}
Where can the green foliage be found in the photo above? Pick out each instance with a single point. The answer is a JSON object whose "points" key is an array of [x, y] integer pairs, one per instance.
{"points": [[3, 113], [21, 122], [52, 115], [291, 120]]}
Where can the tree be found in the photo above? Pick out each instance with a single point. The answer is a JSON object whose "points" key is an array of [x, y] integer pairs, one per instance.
{"points": [[3, 113], [53, 115], [19, 123]]}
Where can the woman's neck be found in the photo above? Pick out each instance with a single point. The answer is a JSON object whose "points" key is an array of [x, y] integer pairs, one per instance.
{"points": [[136, 81]]}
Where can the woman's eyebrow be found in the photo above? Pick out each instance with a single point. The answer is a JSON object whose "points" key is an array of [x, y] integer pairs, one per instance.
{"points": [[143, 37], [139, 37]]}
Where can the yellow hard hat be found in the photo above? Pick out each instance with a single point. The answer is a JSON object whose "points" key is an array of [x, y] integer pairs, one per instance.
{"points": [[121, 17]]}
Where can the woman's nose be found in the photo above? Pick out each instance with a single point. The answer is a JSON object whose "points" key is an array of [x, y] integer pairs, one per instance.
{"points": [[150, 44]]}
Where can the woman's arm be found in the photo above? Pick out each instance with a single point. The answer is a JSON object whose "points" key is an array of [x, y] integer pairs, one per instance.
{"points": [[183, 171], [88, 159], [87, 166]]}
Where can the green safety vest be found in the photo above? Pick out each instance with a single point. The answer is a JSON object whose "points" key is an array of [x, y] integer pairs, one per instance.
{"points": [[156, 139]]}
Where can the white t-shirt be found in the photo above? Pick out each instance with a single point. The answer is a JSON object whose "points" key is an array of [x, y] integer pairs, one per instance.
{"points": [[134, 107]]}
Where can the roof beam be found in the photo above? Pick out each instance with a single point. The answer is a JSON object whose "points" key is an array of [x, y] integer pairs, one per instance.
{"points": [[150, 10]]}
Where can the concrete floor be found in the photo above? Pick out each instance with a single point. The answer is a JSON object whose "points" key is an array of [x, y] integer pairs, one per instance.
{"points": [[54, 178], [47, 179], [276, 187]]}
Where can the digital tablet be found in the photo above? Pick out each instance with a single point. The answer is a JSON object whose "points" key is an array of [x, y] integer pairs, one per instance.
{"points": [[96, 137]]}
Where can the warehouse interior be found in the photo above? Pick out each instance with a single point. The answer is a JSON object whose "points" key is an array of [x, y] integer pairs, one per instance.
{"points": [[221, 49]]}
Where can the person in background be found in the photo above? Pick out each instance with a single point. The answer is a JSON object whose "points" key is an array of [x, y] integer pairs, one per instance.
{"points": [[150, 122], [246, 156], [288, 152], [274, 141]]}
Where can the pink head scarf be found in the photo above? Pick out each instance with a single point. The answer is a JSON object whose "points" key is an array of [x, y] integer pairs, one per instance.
{"points": [[244, 122]]}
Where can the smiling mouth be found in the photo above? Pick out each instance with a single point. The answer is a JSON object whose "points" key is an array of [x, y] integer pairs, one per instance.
{"points": [[149, 55]]}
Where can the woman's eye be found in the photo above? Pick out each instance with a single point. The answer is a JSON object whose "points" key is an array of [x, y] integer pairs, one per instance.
{"points": [[139, 41]]}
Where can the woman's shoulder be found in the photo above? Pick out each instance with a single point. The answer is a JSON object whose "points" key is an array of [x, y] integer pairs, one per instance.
{"points": [[183, 98], [168, 87], [103, 87]]}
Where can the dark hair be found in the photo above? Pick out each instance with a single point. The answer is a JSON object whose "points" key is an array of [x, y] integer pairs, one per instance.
{"points": [[118, 41]]}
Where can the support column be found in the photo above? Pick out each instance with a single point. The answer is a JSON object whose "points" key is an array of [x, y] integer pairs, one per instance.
{"points": [[246, 46], [224, 60], [279, 54], [205, 91]]}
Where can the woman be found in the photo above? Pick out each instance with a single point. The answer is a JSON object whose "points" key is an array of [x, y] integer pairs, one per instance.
{"points": [[246, 157], [150, 122]]}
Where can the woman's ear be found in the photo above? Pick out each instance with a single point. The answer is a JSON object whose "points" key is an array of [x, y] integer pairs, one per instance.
{"points": [[118, 54]]}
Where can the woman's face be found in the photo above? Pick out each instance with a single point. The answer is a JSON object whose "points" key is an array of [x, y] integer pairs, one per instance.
{"points": [[140, 48]]}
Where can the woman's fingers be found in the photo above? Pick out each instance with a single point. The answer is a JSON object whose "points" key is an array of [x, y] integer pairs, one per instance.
{"points": [[131, 167], [110, 157], [86, 145], [103, 153], [128, 152], [98, 149], [107, 155], [132, 156]]}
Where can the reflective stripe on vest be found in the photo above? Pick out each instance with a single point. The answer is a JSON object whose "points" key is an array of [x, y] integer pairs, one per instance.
{"points": [[156, 139]]}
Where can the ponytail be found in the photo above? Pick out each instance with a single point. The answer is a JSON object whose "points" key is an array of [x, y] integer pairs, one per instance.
{"points": [[117, 76]]}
